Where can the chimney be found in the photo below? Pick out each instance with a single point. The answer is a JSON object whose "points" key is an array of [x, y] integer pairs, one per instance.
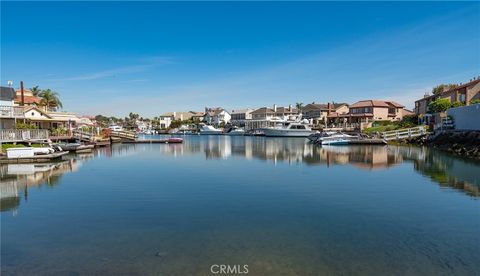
{"points": [[21, 92], [274, 108], [290, 107], [174, 115], [328, 109]]}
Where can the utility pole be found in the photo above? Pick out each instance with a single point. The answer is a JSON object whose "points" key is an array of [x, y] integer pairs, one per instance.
{"points": [[21, 91]]}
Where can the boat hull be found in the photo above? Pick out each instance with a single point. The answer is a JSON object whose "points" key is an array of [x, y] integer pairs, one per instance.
{"points": [[210, 132], [271, 132]]}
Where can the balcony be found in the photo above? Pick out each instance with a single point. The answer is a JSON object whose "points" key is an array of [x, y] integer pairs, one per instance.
{"points": [[11, 111]]}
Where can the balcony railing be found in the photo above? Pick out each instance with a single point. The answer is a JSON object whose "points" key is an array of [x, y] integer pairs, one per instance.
{"points": [[11, 111], [19, 135]]}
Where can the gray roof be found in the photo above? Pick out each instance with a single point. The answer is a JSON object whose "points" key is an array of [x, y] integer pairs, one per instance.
{"points": [[7, 93]]}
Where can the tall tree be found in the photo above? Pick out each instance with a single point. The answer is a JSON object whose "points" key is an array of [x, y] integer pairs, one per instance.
{"points": [[50, 99], [299, 105]]}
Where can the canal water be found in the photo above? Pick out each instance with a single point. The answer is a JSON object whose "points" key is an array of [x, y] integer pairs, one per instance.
{"points": [[280, 206]]}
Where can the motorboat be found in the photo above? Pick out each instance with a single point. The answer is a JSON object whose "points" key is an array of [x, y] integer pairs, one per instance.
{"points": [[336, 135], [209, 130], [335, 141], [76, 147], [315, 136], [288, 130], [235, 131]]}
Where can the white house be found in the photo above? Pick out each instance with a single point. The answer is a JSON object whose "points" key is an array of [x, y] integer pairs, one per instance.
{"points": [[8, 112], [216, 116], [239, 116]]}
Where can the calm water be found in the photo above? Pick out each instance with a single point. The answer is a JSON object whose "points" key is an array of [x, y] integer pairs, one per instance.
{"points": [[281, 206]]}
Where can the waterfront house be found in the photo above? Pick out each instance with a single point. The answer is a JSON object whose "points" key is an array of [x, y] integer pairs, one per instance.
{"points": [[88, 121], [463, 93], [50, 120], [239, 116], [216, 116], [167, 118], [28, 98], [317, 113], [9, 113], [363, 113], [266, 117]]}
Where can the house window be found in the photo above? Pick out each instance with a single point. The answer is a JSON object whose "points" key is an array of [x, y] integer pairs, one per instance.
{"points": [[365, 110], [33, 113]]}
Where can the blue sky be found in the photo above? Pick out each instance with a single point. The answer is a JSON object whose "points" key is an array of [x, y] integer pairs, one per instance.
{"points": [[152, 57]]}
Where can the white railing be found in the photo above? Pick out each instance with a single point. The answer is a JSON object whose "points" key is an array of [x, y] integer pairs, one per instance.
{"points": [[18, 135], [405, 133], [11, 111], [124, 134]]}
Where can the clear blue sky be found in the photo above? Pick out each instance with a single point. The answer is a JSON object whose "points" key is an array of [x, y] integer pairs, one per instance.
{"points": [[152, 57]]}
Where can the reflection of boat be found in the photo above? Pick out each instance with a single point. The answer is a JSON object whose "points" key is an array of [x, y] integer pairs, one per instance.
{"points": [[209, 130], [235, 131], [288, 130]]}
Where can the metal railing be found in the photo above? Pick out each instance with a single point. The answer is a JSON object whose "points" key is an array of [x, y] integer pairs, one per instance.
{"points": [[19, 135], [11, 111]]}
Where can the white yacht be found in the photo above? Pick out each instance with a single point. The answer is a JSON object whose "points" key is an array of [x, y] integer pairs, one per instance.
{"points": [[209, 130], [114, 127], [235, 131], [288, 130]]}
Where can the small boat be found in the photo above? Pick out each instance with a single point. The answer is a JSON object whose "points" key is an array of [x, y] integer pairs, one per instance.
{"points": [[337, 141], [76, 147], [336, 135], [288, 130], [235, 131], [209, 130], [174, 140]]}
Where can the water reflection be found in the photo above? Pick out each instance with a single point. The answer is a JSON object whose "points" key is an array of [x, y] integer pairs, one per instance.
{"points": [[17, 179], [446, 170]]}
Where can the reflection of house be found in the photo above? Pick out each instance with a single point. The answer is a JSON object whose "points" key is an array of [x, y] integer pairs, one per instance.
{"points": [[239, 116], [317, 113], [363, 113], [8, 112], [48, 120], [216, 116], [463, 93], [28, 98]]}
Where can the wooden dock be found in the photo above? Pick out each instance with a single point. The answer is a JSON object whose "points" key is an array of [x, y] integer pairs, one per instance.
{"points": [[406, 133], [41, 158], [368, 141]]}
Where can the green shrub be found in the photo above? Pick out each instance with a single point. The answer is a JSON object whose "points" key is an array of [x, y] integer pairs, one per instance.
{"points": [[25, 126], [439, 105], [475, 101]]}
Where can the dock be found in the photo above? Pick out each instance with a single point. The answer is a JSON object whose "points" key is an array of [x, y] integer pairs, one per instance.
{"points": [[154, 141], [41, 158]]}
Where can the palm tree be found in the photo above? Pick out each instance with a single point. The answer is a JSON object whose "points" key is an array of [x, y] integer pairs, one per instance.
{"points": [[50, 99], [299, 105], [36, 90]]}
